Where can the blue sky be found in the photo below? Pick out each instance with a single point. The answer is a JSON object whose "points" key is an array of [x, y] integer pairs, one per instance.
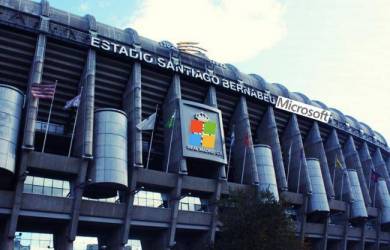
{"points": [[334, 51]]}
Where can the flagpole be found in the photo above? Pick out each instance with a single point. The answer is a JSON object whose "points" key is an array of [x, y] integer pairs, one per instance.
{"points": [[289, 162], [299, 174], [151, 141], [342, 186], [170, 143], [74, 125], [228, 166], [369, 180], [48, 119], [334, 172], [243, 166], [230, 154], [375, 183]]}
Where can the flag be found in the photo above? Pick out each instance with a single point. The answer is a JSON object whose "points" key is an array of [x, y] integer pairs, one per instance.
{"points": [[374, 175], [74, 103], [171, 120], [43, 91], [338, 163], [247, 140], [232, 138], [148, 123]]}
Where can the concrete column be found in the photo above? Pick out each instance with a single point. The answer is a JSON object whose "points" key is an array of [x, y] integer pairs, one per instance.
{"points": [[362, 242], [303, 217], [344, 242], [174, 202], [267, 133], [111, 240], [172, 136], [77, 198], [314, 147], [125, 230], [12, 221], [324, 240], [352, 160], [61, 241], [131, 103], [335, 157], [243, 153], [295, 160], [83, 140]]}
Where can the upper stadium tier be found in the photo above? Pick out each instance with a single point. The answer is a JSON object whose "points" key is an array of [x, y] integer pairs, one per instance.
{"points": [[80, 29]]}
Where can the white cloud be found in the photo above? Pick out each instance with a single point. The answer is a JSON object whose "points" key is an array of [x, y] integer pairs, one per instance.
{"points": [[231, 31], [84, 6]]}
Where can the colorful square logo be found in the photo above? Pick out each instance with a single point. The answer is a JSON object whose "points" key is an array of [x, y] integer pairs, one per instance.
{"points": [[202, 131]]}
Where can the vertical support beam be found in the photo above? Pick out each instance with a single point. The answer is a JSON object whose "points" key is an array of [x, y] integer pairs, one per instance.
{"points": [[303, 217], [267, 133], [174, 205], [177, 164], [129, 206], [378, 231], [324, 243], [131, 104], [380, 166], [298, 168], [243, 153], [352, 160], [61, 240], [83, 135], [344, 242], [83, 143], [314, 147], [7, 242], [77, 197], [172, 136], [367, 165], [362, 242], [334, 153], [211, 99], [35, 77]]}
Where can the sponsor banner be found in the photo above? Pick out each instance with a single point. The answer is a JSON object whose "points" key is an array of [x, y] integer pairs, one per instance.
{"points": [[202, 132], [303, 109], [178, 67]]}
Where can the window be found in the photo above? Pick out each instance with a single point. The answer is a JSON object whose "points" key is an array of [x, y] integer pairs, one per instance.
{"points": [[149, 199], [57, 129], [134, 244], [46, 186], [33, 241], [191, 203]]}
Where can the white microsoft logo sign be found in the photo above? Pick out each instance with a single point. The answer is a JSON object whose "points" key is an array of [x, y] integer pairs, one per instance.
{"points": [[303, 109]]}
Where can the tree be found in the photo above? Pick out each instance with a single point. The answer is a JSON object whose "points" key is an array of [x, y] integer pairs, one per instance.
{"points": [[254, 220]]}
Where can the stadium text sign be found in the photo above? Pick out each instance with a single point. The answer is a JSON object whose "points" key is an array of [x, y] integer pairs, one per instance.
{"points": [[303, 109], [165, 63]]}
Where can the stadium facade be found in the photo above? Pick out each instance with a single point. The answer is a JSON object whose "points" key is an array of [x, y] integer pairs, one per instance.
{"points": [[216, 130]]}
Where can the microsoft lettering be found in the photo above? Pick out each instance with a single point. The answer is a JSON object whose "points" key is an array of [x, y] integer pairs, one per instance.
{"points": [[303, 109]]}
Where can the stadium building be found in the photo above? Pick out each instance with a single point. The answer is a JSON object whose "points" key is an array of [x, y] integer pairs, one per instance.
{"points": [[95, 169]]}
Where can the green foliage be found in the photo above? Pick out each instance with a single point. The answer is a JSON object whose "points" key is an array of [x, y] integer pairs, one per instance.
{"points": [[254, 221]]}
